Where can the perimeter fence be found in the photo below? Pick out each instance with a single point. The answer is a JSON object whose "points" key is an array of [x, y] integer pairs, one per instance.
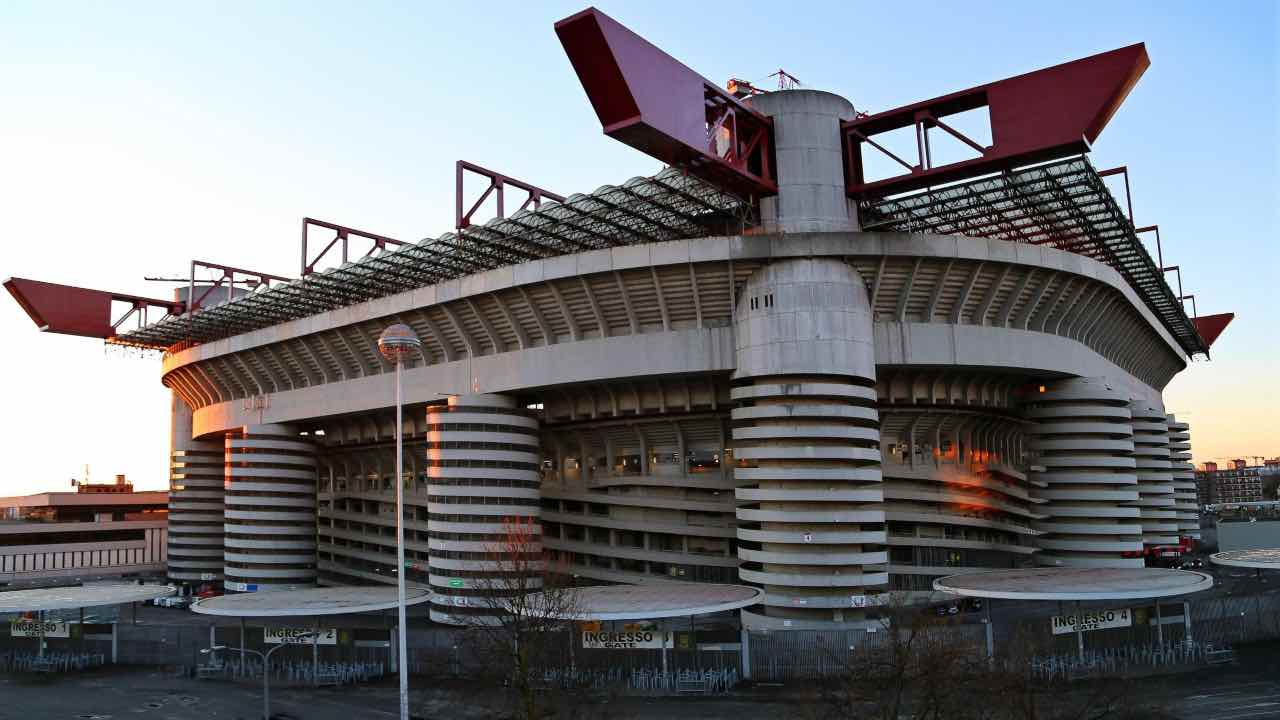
{"points": [[710, 657]]}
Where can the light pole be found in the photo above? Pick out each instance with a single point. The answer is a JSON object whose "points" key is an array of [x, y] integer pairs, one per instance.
{"points": [[395, 343], [266, 668]]}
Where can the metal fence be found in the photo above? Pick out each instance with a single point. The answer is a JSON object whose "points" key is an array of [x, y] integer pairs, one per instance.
{"points": [[714, 657], [782, 655]]}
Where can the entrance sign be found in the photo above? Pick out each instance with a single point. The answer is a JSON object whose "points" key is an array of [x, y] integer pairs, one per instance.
{"points": [[39, 628], [1086, 621], [297, 636], [639, 640]]}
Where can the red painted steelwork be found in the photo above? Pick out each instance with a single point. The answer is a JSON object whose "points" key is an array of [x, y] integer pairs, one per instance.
{"points": [[650, 101], [80, 311], [497, 182], [1211, 326], [195, 302], [343, 234], [1042, 115]]}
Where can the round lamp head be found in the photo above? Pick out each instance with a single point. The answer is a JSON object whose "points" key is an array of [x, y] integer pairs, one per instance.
{"points": [[398, 341]]}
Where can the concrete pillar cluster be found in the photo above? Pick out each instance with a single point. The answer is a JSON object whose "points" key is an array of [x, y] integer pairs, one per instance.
{"points": [[1155, 474], [269, 509], [1186, 507], [810, 163], [1083, 438], [195, 503], [483, 503], [810, 517]]}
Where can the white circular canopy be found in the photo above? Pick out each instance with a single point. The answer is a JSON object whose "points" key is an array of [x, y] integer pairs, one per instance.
{"points": [[80, 596], [1261, 559], [650, 602], [1062, 583], [312, 601]]}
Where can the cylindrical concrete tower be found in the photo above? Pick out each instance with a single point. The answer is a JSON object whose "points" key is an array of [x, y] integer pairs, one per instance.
{"points": [[270, 509], [1084, 440], [482, 499], [810, 163], [195, 503], [1185, 504], [811, 526], [1155, 476]]}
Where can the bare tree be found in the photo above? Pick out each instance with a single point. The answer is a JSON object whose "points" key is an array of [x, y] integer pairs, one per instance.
{"points": [[910, 669], [916, 668], [522, 604]]}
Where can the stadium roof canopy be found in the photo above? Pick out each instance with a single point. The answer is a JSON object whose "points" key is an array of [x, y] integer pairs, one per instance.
{"points": [[668, 206], [1063, 204]]}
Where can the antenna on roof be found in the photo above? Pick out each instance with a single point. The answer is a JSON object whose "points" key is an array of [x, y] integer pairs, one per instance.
{"points": [[786, 81]]}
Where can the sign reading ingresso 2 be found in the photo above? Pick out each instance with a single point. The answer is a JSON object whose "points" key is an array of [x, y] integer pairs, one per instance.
{"points": [[299, 636], [38, 628], [1096, 620], [638, 640]]}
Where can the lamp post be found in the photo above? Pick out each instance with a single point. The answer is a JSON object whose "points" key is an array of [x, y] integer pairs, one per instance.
{"points": [[266, 668], [395, 343]]}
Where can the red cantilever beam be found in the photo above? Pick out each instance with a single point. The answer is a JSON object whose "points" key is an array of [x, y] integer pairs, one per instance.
{"points": [[77, 311], [1211, 326], [1042, 115], [654, 103]]}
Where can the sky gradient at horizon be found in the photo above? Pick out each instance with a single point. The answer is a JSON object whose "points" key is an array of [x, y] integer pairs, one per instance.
{"points": [[138, 136]]}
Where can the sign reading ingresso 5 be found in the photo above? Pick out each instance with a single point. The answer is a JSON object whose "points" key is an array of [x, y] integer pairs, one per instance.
{"points": [[299, 636], [1086, 621], [638, 640], [38, 628]]}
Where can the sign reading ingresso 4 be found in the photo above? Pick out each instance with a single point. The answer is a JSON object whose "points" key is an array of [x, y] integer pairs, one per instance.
{"points": [[1086, 621], [298, 636], [638, 640], [38, 628]]}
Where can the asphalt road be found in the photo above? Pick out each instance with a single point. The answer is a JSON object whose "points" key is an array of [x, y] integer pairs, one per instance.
{"points": [[141, 694], [1256, 700]]}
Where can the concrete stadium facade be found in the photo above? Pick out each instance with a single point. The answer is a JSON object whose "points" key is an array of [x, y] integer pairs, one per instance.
{"points": [[826, 413]]}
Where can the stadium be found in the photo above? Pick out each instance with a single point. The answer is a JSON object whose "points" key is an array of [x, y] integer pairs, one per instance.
{"points": [[765, 365]]}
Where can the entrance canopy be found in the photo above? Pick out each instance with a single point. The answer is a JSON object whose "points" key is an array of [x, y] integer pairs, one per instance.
{"points": [[651, 602], [80, 596], [1261, 559], [1076, 583], [314, 601]]}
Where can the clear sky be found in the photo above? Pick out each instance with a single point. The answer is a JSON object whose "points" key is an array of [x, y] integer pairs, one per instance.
{"points": [[137, 136]]}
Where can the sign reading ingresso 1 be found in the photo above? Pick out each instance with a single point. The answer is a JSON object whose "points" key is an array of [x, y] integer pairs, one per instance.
{"points": [[297, 636], [38, 628], [1086, 621], [638, 640]]}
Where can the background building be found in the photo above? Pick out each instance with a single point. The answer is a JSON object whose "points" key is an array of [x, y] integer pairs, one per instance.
{"points": [[100, 531], [1240, 483], [766, 364]]}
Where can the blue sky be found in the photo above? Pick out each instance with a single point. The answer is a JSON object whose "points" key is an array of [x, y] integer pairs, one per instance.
{"points": [[136, 136]]}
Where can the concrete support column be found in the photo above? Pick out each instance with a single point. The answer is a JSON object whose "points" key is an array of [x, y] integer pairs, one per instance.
{"points": [[1083, 434], [195, 544], [270, 509], [483, 456], [810, 163], [1155, 475], [1186, 507], [810, 517]]}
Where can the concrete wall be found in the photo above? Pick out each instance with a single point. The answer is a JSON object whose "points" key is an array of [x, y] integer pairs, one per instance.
{"points": [[1261, 535]]}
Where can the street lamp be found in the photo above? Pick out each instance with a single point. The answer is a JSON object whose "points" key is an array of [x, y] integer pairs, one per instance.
{"points": [[266, 668], [395, 343]]}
